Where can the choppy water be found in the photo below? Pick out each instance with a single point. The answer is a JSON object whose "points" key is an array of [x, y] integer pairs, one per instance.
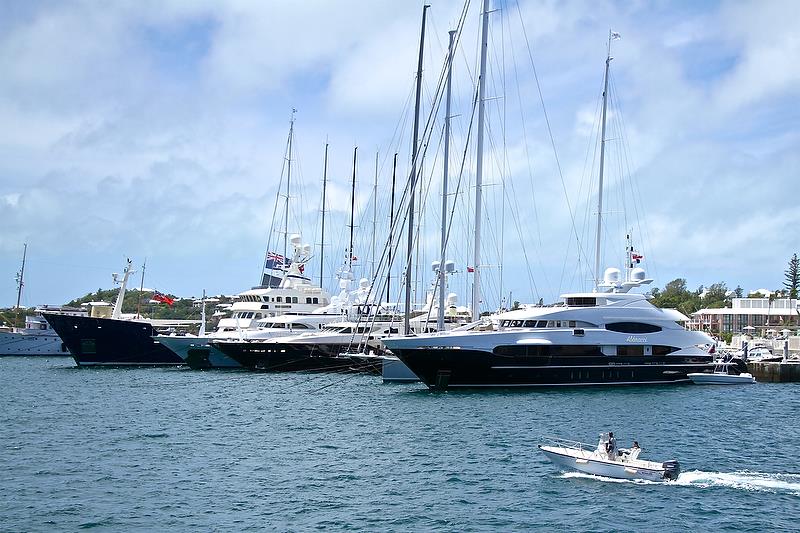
{"points": [[174, 449]]}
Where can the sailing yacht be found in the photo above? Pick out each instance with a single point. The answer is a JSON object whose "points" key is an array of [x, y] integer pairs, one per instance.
{"points": [[607, 337]]}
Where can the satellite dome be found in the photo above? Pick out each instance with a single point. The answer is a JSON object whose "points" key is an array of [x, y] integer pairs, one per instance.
{"points": [[295, 239], [435, 266], [611, 275], [637, 274]]}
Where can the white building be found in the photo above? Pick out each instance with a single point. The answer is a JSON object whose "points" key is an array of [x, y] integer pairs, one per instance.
{"points": [[758, 313]]}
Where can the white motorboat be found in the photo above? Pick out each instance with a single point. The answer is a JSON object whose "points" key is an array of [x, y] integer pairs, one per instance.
{"points": [[606, 461], [721, 378], [724, 373]]}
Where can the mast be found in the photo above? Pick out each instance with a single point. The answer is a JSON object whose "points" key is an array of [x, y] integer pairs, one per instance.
{"points": [[442, 272], [288, 180], [602, 160], [352, 211], [476, 280], [374, 214], [123, 285], [21, 274], [324, 188], [391, 227], [141, 288], [202, 331], [413, 176]]}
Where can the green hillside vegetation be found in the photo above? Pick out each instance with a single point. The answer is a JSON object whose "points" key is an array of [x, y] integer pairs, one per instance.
{"points": [[181, 309]]}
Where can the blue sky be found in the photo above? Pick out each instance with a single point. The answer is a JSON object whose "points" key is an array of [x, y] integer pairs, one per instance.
{"points": [[156, 130]]}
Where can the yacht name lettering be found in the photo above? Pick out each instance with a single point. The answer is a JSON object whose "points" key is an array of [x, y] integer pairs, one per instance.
{"points": [[634, 338]]}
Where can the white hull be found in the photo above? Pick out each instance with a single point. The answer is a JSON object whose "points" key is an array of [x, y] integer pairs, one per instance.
{"points": [[14, 343], [721, 378], [592, 463]]}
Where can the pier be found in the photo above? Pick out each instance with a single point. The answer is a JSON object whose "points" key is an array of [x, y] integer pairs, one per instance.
{"points": [[775, 372]]}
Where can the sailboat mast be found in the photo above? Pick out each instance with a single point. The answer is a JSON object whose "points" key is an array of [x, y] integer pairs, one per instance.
{"points": [[374, 214], [352, 210], [322, 238], [141, 288], [391, 227], [21, 275], [413, 176], [476, 280], [203, 316], [446, 162], [288, 180], [602, 161]]}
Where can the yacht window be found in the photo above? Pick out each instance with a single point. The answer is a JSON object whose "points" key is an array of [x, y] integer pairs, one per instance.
{"points": [[315, 300], [630, 349], [391, 330], [294, 299], [572, 323], [504, 323], [279, 299], [298, 326], [530, 323], [362, 329], [263, 298], [517, 323], [663, 350], [581, 302], [551, 323], [308, 300], [632, 327], [541, 324]]}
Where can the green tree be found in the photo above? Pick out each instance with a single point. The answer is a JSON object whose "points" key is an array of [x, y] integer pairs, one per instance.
{"points": [[792, 276]]}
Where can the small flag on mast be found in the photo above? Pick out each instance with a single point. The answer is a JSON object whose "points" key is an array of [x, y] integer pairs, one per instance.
{"points": [[615, 36]]}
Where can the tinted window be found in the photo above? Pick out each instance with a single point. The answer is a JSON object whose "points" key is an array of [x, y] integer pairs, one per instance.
{"points": [[632, 327]]}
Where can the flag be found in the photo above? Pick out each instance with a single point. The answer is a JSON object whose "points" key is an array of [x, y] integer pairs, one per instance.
{"points": [[470, 269], [276, 261], [636, 256], [163, 298], [615, 36]]}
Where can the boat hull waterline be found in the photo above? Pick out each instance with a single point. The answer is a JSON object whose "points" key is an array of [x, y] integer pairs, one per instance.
{"points": [[111, 342], [453, 367], [290, 357]]}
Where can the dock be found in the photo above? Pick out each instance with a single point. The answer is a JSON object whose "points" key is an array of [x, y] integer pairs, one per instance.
{"points": [[775, 372]]}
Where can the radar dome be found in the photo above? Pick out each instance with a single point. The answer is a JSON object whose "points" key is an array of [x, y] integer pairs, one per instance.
{"points": [[295, 239], [449, 266], [363, 283], [637, 274], [435, 266], [611, 275]]}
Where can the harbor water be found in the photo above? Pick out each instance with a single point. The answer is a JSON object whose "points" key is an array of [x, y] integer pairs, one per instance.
{"points": [[177, 450]]}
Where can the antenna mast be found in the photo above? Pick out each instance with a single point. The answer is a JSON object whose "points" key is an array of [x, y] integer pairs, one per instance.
{"points": [[21, 274], [288, 179], [391, 228], [352, 210]]}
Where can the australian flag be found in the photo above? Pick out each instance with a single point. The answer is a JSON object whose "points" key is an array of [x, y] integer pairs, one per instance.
{"points": [[276, 261]]}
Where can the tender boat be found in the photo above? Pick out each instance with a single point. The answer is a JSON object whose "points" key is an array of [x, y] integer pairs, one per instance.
{"points": [[606, 461], [726, 372]]}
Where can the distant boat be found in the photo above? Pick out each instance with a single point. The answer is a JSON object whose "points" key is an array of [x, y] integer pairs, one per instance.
{"points": [[37, 337]]}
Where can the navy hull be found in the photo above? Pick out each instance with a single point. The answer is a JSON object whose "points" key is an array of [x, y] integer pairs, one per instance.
{"points": [[444, 368], [111, 342], [279, 357]]}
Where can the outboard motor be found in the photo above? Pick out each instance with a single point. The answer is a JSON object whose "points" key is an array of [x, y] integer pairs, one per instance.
{"points": [[671, 470]]}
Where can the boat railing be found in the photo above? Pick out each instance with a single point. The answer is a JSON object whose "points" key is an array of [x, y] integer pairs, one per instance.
{"points": [[587, 449]]}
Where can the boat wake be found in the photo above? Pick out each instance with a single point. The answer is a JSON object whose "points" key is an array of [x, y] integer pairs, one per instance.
{"points": [[744, 480]]}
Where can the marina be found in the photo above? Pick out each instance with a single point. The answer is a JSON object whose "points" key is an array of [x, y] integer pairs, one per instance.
{"points": [[499, 275]]}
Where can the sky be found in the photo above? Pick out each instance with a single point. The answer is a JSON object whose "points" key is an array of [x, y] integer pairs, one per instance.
{"points": [[157, 131]]}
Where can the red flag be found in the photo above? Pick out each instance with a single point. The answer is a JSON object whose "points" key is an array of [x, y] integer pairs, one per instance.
{"points": [[637, 257], [163, 298], [470, 269]]}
